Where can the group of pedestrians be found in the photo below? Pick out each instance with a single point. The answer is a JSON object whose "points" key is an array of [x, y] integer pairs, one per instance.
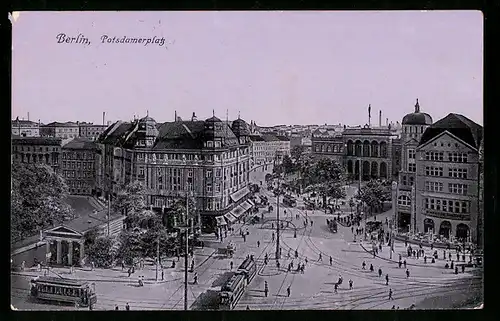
{"points": [[127, 307]]}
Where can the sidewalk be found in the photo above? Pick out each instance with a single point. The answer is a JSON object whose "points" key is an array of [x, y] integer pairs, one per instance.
{"points": [[116, 274]]}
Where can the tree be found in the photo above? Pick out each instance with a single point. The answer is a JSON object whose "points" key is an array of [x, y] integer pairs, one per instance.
{"points": [[297, 153], [325, 177], [131, 199], [37, 199], [374, 194], [129, 246], [101, 252], [287, 164]]}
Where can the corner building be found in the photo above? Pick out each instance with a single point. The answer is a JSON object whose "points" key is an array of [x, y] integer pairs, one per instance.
{"points": [[447, 179], [207, 160]]}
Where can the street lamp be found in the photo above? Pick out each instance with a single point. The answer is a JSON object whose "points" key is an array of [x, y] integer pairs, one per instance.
{"points": [[278, 216]]}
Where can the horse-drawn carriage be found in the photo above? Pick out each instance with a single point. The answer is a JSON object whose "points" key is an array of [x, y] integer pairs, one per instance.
{"points": [[227, 250]]}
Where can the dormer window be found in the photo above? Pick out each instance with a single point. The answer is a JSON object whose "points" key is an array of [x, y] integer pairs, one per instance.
{"points": [[217, 143], [210, 143]]}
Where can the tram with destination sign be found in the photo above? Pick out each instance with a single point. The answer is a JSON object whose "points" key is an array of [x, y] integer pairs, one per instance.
{"points": [[249, 269], [57, 289], [232, 291]]}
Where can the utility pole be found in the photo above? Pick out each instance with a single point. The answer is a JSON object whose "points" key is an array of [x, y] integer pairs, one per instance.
{"points": [[186, 256], [157, 256], [278, 218], [109, 210]]}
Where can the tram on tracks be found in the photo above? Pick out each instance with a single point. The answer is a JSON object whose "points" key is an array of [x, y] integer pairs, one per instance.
{"points": [[232, 291], [62, 290], [249, 269]]}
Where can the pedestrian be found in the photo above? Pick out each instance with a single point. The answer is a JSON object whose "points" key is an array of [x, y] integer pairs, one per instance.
{"points": [[433, 260], [195, 278], [379, 272], [306, 260], [192, 265], [400, 257], [449, 256], [371, 267], [444, 254], [390, 294], [288, 291], [311, 223], [272, 237], [350, 284], [404, 263], [335, 287], [248, 308], [393, 307], [463, 257], [123, 265], [451, 266], [296, 254], [352, 229], [289, 266], [277, 264], [272, 225], [363, 265], [387, 279], [129, 272], [266, 289], [302, 268], [39, 267], [127, 307], [116, 307], [456, 269], [407, 273], [92, 265], [331, 261], [288, 255], [400, 263], [320, 257], [463, 268], [231, 265], [162, 275], [425, 259]]}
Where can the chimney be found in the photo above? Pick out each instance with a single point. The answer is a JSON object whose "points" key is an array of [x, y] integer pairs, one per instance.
{"points": [[387, 121], [103, 117], [379, 118], [194, 118], [175, 117], [109, 122], [28, 116]]}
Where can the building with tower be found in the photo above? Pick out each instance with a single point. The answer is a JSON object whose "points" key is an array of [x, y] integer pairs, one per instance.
{"points": [[413, 127], [208, 161]]}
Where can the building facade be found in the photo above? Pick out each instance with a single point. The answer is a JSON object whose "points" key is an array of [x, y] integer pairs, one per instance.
{"points": [[78, 166], [65, 130], [40, 150], [90, 130], [205, 160], [328, 144], [447, 179], [25, 128], [413, 127], [369, 151]]}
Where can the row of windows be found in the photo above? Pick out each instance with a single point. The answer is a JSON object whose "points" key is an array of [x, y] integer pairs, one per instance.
{"points": [[433, 171], [411, 180], [457, 157], [457, 188], [413, 129], [78, 174], [404, 200], [78, 156], [434, 156], [34, 149], [84, 165], [457, 172], [448, 206], [67, 130], [191, 157], [335, 148], [434, 186], [76, 184]]}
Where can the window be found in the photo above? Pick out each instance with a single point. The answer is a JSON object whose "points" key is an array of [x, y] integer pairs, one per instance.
{"points": [[404, 179], [141, 171], [457, 172], [404, 200], [412, 167], [433, 186], [209, 173], [411, 154], [457, 157], [209, 187], [217, 187], [210, 143], [433, 171], [218, 172], [460, 189], [434, 156], [411, 180], [190, 173]]}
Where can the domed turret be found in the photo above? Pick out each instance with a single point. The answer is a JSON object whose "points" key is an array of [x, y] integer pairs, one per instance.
{"points": [[417, 118], [213, 128], [147, 131], [240, 128]]}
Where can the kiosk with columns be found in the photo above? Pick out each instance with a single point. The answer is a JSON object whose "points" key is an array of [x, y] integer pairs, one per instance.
{"points": [[65, 246]]}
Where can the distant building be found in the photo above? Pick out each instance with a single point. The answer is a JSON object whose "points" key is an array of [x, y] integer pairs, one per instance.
{"points": [[25, 128], [61, 130], [90, 130], [205, 159], [40, 150], [78, 166], [328, 143]]}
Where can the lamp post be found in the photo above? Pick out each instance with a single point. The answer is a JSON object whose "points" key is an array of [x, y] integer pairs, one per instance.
{"points": [[278, 216]]}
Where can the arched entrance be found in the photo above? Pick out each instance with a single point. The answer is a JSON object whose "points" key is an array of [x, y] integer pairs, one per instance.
{"points": [[383, 170], [445, 229], [374, 152], [366, 148], [383, 149], [356, 169], [428, 225], [374, 171], [462, 232], [357, 148], [366, 170], [350, 148], [349, 167]]}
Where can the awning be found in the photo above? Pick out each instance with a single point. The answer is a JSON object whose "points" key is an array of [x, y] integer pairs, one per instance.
{"points": [[220, 220], [236, 196], [246, 206], [237, 211], [251, 202], [230, 217]]}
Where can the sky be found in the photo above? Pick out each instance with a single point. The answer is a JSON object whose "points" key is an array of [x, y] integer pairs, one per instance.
{"points": [[275, 67]]}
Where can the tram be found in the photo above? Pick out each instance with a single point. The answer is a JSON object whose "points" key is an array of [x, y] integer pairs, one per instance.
{"points": [[332, 225], [232, 291], [63, 290], [249, 269]]}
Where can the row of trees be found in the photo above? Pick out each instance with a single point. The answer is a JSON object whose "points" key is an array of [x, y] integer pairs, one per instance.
{"points": [[374, 194], [146, 230], [37, 199]]}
